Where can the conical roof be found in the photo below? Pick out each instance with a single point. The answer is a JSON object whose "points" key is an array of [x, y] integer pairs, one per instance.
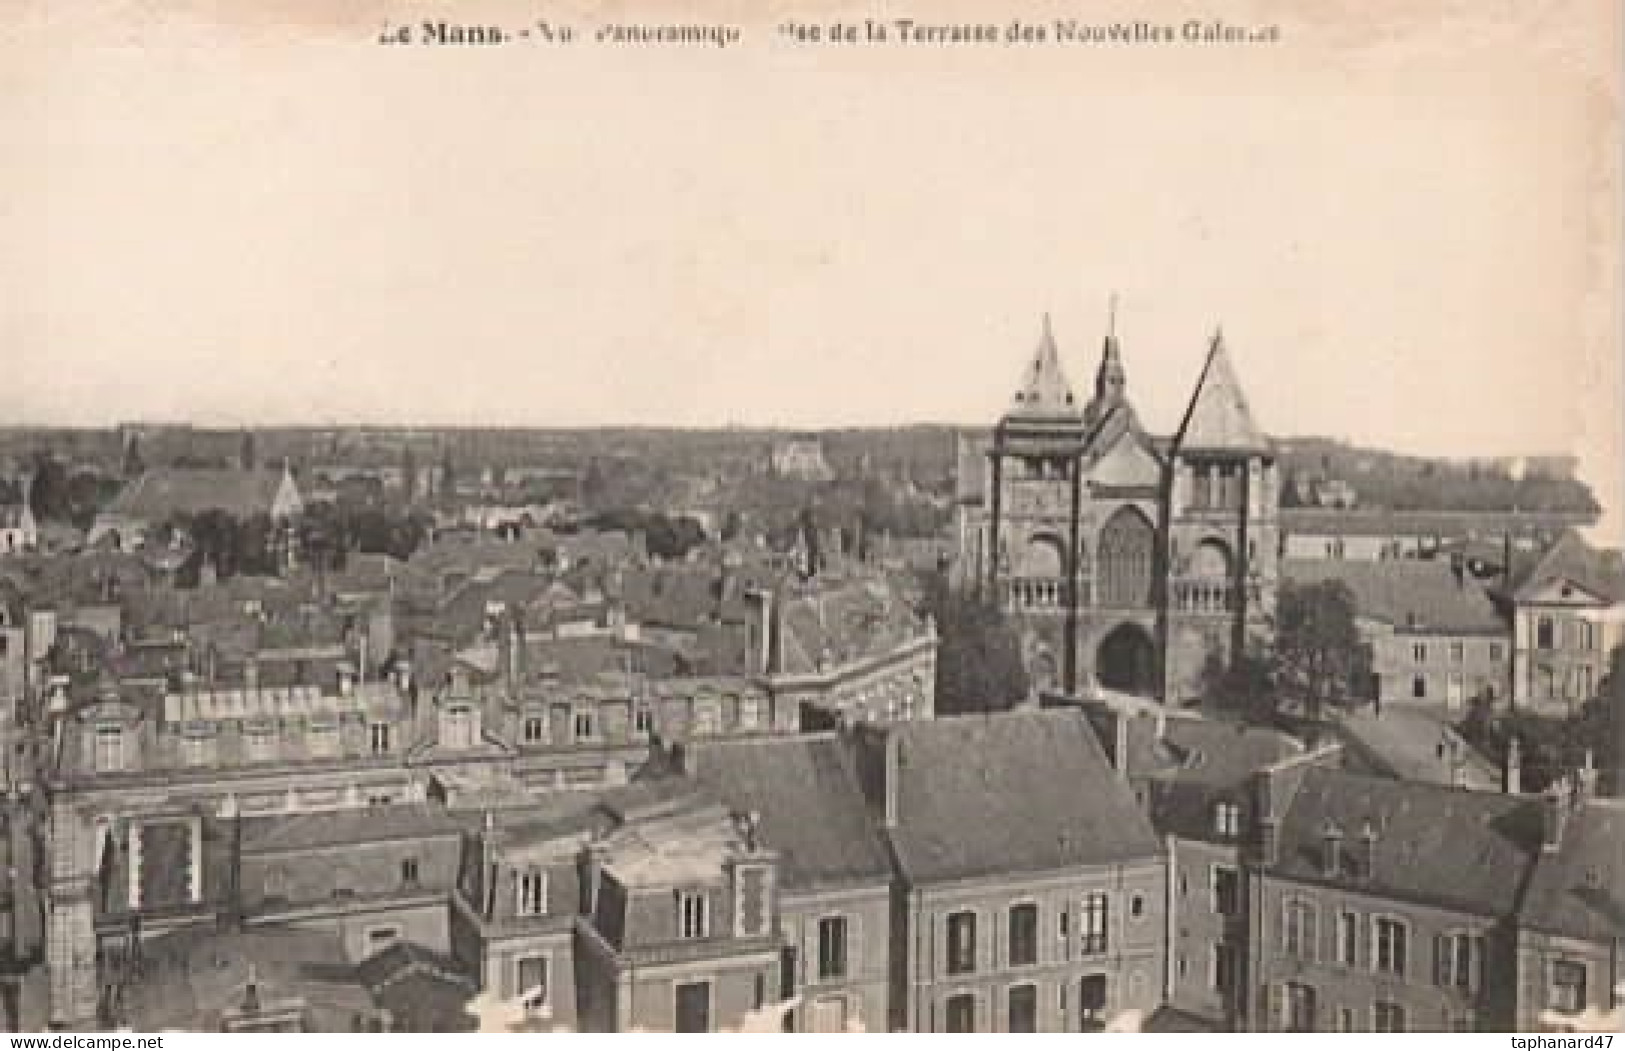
{"points": [[1218, 419], [1044, 392]]}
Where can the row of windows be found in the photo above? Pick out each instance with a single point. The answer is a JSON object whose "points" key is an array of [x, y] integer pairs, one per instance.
{"points": [[1458, 652], [1298, 1014], [1021, 1008], [1577, 634], [1458, 957], [1023, 932]]}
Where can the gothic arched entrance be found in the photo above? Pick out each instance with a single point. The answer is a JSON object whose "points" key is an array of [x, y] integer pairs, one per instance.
{"points": [[1127, 661]]}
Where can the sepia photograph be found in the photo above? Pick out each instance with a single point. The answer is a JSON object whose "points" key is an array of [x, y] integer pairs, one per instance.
{"points": [[812, 517]]}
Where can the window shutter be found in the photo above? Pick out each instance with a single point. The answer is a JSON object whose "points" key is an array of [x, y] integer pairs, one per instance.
{"points": [[809, 950], [1311, 924], [1476, 979], [1441, 960]]}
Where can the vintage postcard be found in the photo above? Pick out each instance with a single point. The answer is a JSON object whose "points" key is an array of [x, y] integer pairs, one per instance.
{"points": [[817, 516]]}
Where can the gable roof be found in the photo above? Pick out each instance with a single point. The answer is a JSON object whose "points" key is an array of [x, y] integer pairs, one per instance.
{"points": [[1576, 561], [1579, 890], [1044, 393], [1004, 794], [812, 808], [1450, 847], [1412, 595], [1218, 418], [164, 492], [834, 626]]}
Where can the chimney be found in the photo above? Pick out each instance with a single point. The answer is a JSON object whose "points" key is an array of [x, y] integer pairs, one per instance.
{"points": [[1269, 822], [1512, 770], [1331, 856], [1554, 816]]}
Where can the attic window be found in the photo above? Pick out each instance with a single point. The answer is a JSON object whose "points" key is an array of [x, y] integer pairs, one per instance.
{"points": [[1227, 819]]}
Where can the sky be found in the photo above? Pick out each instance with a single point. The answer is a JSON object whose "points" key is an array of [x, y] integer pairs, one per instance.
{"points": [[1402, 219]]}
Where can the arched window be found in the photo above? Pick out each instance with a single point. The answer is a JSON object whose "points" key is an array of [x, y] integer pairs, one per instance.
{"points": [[1126, 546], [1211, 561], [1042, 556]]}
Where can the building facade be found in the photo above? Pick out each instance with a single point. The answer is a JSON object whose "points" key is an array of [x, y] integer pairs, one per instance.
{"points": [[1128, 561]]}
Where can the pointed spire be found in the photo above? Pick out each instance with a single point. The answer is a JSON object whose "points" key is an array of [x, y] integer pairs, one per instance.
{"points": [[1218, 418], [1044, 391]]}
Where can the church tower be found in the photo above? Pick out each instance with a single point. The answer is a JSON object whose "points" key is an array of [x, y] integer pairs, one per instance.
{"points": [[1223, 531]]}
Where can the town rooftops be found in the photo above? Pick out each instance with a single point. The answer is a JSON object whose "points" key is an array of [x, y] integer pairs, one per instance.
{"points": [[163, 492], [1572, 560], [969, 789], [1449, 847], [1579, 890], [1412, 596], [1383, 522], [832, 626], [812, 809], [690, 845], [338, 828]]}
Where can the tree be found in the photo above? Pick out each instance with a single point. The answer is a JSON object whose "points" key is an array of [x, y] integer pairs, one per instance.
{"points": [[1319, 658], [48, 489], [979, 663], [133, 465], [1245, 687]]}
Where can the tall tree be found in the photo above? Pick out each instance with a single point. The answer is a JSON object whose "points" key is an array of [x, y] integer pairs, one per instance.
{"points": [[979, 663], [1320, 659]]}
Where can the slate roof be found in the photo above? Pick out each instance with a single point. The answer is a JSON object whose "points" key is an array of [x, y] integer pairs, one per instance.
{"points": [[1572, 559], [1449, 847], [1579, 891], [842, 624], [1412, 595], [1016, 792], [811, 805], [1216, 760], [341, 827], [1218, 418], [162, 492]]}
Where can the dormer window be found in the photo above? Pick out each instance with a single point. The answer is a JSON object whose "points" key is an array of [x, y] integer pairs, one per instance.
{"points": [[1227, 819], [532, 893], [693, 915], [109, 748], [457, 726]]}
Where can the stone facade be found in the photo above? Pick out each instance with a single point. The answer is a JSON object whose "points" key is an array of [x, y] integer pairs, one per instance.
{"points": [[1129, 562]]}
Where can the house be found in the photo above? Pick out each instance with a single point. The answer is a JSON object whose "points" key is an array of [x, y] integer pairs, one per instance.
{"points": [[1380, 534], [162, 494], [834, 871], [1434, 632], [1381, 905], [1003, 923], [1568, 614]]}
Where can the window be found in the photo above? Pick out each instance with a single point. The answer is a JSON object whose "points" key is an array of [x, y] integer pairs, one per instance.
{"points": [[1458, 960], [1568, 991], [1023, 935], [1348, 939], [1388, 946], [457, 727], [750, 713], [1022, 1009], [1419, 652], [532, 893], [693, 915], [1092, 1003], [1345, 1020], [380, 738], [1545, 633], [758, 992], [535, 729], [1458, 652], [1419, 687], [643, 721], [323, 742], [1136, 906], [109, 748], [1298, 930], [195, 751], [583, 724], [962, 943], [530, 980], [409, 871], [1227, 819], [1093, 925], [1299, 1008], [382, 937], [1495, 651], [1226, 891], [831, 948], [962, 1013], [1225, 965], [1387, 1017], [260, 746]]}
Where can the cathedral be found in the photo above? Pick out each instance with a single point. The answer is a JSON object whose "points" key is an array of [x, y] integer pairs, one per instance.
{"points": [[1125, 560]]}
